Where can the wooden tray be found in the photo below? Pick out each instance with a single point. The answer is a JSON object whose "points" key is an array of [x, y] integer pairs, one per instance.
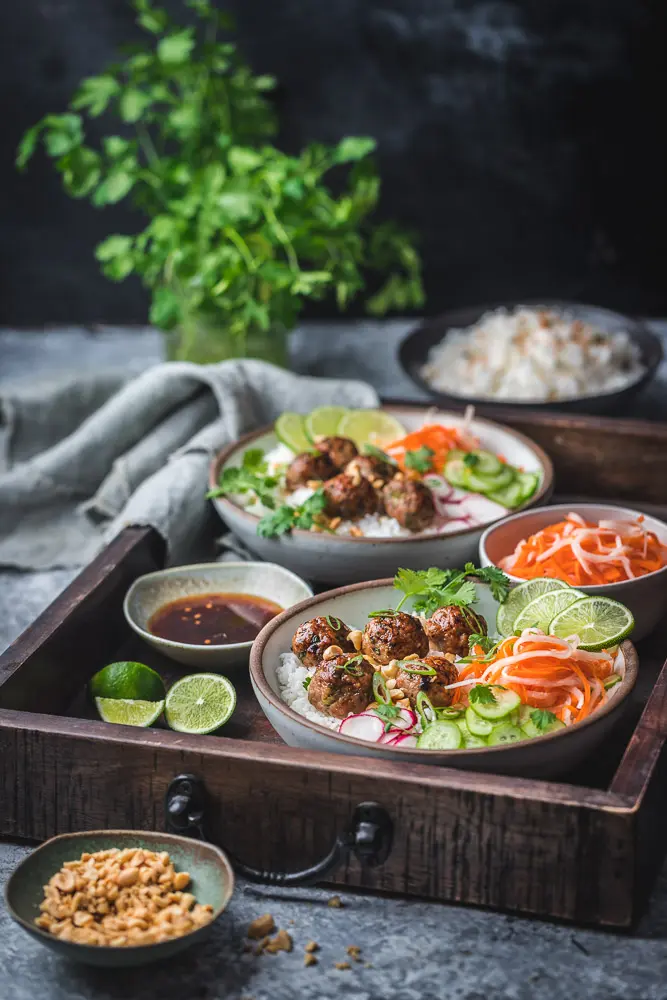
{"points": [[585, 848]]}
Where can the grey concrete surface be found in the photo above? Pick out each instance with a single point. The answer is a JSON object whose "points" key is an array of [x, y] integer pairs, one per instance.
{"points": [[412, 950]]}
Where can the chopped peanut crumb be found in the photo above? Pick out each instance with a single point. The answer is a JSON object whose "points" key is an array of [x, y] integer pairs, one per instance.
{"points": [[309, 959], [335, 902], [312, 946], [354, 951], [281, 942], [342, 965], [261, 926]]}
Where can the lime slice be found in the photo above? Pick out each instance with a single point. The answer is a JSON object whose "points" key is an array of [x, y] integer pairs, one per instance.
{"points": [[324, 421], [519, 597], [129, 680], [370, 427], [126, 712], [543, 609], [289, 428], [200, 703], [598, 621]]}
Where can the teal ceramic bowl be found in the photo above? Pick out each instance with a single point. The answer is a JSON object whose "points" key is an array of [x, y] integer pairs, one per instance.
{"points": [[210, 871]]}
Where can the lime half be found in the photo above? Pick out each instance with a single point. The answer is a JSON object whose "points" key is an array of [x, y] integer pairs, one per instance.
{"points": [[324, 421], [598, 621], [519, 597], [126, 679], [126, 712], [543, 609], [200, 703], [289, 428], [370, 427]]}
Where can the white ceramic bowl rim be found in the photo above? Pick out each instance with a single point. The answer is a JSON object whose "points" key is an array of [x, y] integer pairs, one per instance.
{"points": [[181, 571], [425, 536], [258, 678], [576, 508]]}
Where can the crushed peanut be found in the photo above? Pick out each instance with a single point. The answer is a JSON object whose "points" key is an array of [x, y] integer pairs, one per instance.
{"points": [[354, 951], [335, 902], [342, 965], [355, 637], [335, 522], [120, 898], [391, 683], [312, 946], [396, 693], [390, 669], [281, 942], [378, 484], [403, 703], [330, 652], [356, 532], [309, 959], [314, 484], [261, 926]]}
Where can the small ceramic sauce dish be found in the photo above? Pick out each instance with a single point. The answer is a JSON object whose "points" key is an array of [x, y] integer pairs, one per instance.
{"points": [[207, 615], [211, 882]]}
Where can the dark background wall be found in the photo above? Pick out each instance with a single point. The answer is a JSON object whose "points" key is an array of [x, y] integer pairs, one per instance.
{"points": [[522, 139]]}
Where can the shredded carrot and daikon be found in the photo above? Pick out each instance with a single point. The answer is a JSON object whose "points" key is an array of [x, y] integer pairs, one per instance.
{"points": [[545, 671], [580, 552], [438, 438]]}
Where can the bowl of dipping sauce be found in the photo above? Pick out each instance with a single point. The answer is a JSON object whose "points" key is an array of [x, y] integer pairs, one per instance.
{"points": [[207, 615]]}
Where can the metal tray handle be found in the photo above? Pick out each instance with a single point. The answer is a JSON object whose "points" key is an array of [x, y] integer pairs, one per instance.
{"points": [[368, 837]]}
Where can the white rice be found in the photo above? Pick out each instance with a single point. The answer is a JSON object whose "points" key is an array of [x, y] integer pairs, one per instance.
{"points": [[534, 355], [291, 674]]}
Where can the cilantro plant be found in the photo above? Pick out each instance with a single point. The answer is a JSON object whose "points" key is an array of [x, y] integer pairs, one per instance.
{"points": [[239, 234]]}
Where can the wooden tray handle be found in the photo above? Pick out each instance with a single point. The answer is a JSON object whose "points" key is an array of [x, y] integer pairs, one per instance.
{"points": [[368, 837]]}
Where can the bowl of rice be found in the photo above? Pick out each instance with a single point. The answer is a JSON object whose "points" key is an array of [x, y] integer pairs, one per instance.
{"points": [[553, 355]]}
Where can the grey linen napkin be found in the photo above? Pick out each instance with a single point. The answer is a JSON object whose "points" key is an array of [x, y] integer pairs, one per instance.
{"points": [[83, 456]]}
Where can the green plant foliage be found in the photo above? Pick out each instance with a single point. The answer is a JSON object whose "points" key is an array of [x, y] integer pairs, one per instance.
{"points": [[237, 230]]}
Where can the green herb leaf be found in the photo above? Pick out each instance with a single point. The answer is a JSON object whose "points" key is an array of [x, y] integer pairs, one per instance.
{"points": [[542, 718], [421, 459], [306, 515], [498, 581], [471, 460], [250, 477], [383, 613], [278, 523], [374, 452], [306, 683], [176, 48], [481, 694], [387, 712], [353, 148], [478, 639]]}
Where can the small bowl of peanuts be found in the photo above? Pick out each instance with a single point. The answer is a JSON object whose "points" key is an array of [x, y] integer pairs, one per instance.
{"points": [[120, 898]]}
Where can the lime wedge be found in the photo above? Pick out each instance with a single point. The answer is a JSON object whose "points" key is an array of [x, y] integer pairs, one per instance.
{"points": [[598, 621], [200, 703], [290, 430], [543, 609], [519, 597], [128, 680], [370, 427], [324, 421], [126, 712]]}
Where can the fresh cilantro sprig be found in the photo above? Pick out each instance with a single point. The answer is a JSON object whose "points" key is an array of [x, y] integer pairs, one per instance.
{"points": [[250, 477], [282, 520], [481, 694], [306, 683], [498, 582], [479, 639], [420, 460], [387, 713], [542, 718], [234, 234]]}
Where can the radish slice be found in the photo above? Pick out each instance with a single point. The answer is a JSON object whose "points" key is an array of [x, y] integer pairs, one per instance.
{"points": [[364, 726], [406, 719], [405, 740]]}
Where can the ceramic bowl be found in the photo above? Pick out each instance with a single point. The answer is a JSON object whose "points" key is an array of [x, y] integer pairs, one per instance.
{"points": [[646, 596], [150, 592], [544, 756], [333, 558], [212, 883], [414, 350]]}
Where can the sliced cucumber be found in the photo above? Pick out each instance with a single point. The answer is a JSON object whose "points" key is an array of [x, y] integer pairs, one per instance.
{"points": [[440, 736], [477, 482], [470, 741], [506, 702], [476, 724], [509, 496], [507, 733], [529, 482], [487, 463], [506, 476], [455, 473], [531, 730]]}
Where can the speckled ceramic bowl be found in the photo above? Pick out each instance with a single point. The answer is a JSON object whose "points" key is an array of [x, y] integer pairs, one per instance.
{"points": [[150, 592], [543, 757], [646, 597], [212, 883], [337, 558]]}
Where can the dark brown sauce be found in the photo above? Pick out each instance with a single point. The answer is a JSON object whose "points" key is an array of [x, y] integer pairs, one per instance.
{"points": [[213, 619]]}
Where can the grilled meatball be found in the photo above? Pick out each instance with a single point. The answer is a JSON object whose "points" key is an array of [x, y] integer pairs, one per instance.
{"points": [[434, 685], [372, 468], [313, 637], [306, 467], [349, 499], [337, 689], [393, 637], [338, 450], [448, 629], [410, 502]]}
